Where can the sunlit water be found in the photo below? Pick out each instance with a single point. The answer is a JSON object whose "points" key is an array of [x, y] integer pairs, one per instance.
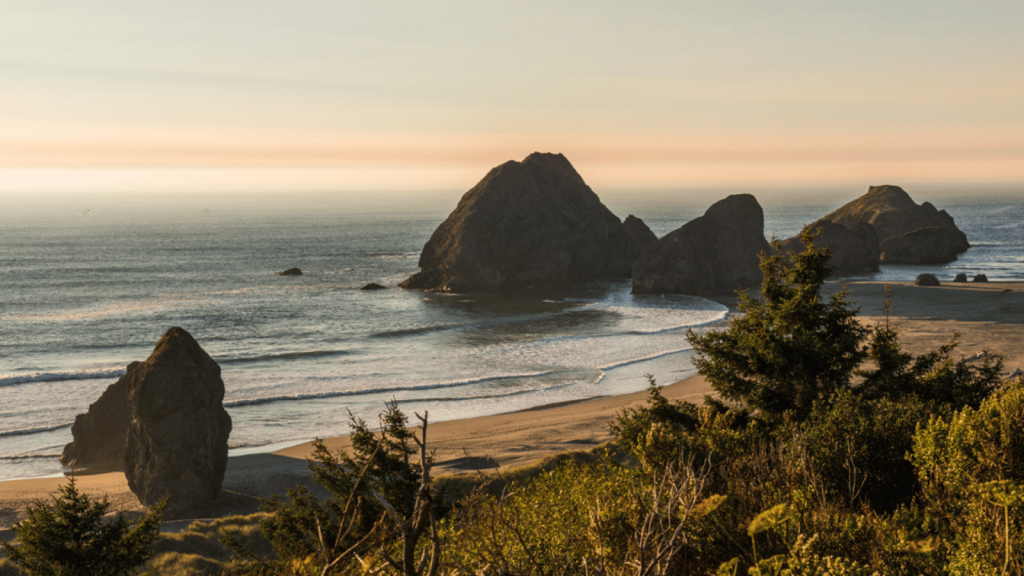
{"points": [[88, 289]]}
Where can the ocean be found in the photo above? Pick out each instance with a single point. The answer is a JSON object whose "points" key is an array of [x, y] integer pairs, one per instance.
{"points": [[90, 283]]}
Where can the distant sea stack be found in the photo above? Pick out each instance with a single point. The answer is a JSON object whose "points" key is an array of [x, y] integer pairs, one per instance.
{"points": [[534, 222], [855, 248], [640, 236], [177, 443], [716, 253], [908, 233]]}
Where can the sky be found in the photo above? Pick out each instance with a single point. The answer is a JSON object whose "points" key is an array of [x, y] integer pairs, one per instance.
{"points": [[429, 95]]}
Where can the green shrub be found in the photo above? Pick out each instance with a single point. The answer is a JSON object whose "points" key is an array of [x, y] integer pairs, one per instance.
{"points": [[662, 432], [70, 536], [955, 455], [596, 517], [859, 446], [380, 506]]}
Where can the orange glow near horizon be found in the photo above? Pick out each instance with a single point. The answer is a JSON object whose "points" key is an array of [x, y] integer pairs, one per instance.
{"points": [[434, 161], [346, 96]]}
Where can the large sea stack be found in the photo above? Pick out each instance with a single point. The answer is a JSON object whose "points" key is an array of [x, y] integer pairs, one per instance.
{"points": [[716, 253], [177, 444], [908, 233], [854, 249], [534, 222]]}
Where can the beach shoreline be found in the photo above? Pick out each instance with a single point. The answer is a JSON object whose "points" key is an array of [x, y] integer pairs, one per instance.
{"points": [[986, 315]]}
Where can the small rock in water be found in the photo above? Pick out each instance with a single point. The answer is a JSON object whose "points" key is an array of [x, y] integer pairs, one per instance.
{"points": [[927, 280], [372, 286], [291, 272], [980, 278], [961, 277]]}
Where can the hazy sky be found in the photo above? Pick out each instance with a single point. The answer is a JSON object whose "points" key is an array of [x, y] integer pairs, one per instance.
{"points": [[431, 94]]}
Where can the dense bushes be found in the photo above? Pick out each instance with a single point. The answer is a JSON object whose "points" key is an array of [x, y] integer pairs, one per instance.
{"points": [[956, 458]]}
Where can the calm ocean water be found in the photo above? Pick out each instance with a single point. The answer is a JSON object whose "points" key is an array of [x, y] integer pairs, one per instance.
{"points": [[89, 285]]}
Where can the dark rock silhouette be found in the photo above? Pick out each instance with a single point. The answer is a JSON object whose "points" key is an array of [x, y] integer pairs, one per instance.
{"points": [[894, 214], [534, 222], [177, 444], [980, 278], [927, 280], [716, 253], [929, 245], [291, 272], [100, 434], [961, 277], [854, 249], [372, 286], [640, 236]]}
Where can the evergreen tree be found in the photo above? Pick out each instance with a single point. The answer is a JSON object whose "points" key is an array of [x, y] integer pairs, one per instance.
{"points": [[791, 346], [70, 537]]}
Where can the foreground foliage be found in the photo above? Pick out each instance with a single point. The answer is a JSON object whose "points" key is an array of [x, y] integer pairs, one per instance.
{"points": [[380, 507], [71, 536]]}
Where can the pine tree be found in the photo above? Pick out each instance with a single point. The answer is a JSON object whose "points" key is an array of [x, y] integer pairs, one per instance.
{"points": [[791, 346], [71, 537]]}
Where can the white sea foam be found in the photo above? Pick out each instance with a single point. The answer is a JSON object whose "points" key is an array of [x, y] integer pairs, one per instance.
{"points": [[30, 377]]}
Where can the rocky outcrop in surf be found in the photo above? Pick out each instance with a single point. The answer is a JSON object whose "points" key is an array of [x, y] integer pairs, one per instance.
{"points": [[855, 249], [534, 222], [908, 233], [716, 253], [100, 434], [177, 441]]}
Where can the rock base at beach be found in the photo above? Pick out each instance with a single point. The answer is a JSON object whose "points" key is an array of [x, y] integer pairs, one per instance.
{"points": [[717, 253], [177, 445], [854, 249]]}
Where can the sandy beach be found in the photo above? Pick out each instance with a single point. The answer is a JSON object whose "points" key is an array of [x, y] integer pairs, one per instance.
{"points": [[987, 316]]}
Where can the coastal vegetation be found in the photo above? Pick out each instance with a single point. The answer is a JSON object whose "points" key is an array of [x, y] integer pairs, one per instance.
{"points": [[830, 450], [71, 537]]}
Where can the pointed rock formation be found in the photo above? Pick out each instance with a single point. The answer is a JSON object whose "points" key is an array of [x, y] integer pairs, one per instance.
{"points": [[177, 443], [534, 222], [100, 434], [640, 236], [165, 422], [717, 253], [904, 228], [855, 248]]}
